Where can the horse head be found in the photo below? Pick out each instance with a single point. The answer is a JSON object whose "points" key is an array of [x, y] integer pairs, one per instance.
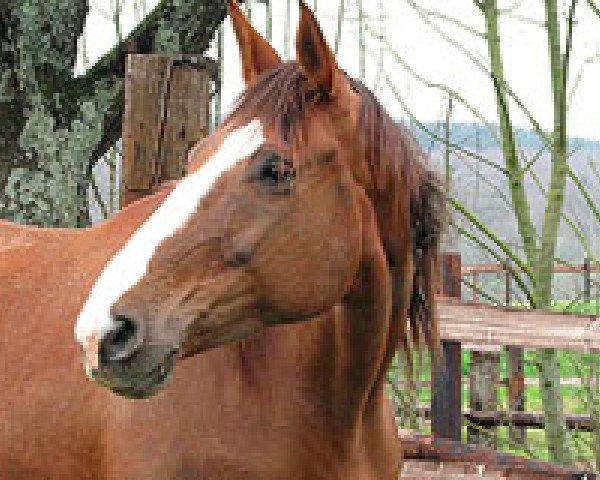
{"points": [[285, 213]]}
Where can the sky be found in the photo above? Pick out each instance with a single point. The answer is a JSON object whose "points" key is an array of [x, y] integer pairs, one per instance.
{"points": [[427, 54]]}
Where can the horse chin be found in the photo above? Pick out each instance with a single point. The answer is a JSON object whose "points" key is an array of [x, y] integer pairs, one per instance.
{"points": [[138, 385], [152, 383]]}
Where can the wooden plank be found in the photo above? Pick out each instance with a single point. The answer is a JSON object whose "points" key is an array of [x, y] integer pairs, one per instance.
{"points": [[446, 421], [415, 470], [451, 268], [447, 385], [527, 419], [484, 377], [427, 448], [575, 421], [167, 102], [499, 267], [516, 391], [494, 325], [474, 347]]}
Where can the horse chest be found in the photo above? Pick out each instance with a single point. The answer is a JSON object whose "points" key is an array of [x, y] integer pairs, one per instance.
{"points": [[219, 419]]}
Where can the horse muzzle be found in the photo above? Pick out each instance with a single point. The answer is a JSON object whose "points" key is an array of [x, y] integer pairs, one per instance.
{"points": [[120, 360]]}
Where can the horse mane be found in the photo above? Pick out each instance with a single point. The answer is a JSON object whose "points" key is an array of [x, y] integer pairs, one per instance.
{"points": [[400, 175]]}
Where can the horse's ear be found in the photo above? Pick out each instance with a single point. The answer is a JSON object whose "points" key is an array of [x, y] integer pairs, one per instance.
{"points": [[313, 53], [257, 54]]}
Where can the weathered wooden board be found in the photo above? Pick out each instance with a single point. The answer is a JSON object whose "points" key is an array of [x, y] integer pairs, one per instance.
{"points": [[493, 325], [442, 455], [446, 402], [575, 421], [475, 269], [167, 107]]}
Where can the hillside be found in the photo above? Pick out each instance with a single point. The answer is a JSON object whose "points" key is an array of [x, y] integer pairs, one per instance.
{"points": [[478, 137]]}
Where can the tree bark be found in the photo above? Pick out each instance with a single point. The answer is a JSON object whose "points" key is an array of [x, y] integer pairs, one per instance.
{"points": [[549, 365], [540, 256], [38, 49]]}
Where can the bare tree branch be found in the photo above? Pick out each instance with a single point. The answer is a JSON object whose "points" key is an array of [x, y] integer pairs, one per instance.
{"points": [[196, 23], [479, 63], [594, 7], [444, 88]]}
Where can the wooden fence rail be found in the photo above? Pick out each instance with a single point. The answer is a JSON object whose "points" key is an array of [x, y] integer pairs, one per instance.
{"points": [[499, 267], [424, 447], [481, 324], [575, 421]]}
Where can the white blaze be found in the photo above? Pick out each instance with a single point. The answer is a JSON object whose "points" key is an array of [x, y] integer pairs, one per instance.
{"points": [[130, 264]]}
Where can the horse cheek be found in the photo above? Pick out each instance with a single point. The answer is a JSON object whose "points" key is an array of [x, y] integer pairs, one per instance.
{"points": [[331, 252]]}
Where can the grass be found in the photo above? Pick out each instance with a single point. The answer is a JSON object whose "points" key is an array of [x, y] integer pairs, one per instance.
{"points": [[591, 307], [571, 396]]}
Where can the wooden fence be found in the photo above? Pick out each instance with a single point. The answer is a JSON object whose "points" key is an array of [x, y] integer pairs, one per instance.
{"points": [[434, 458], [486, 327], [167, 111]]}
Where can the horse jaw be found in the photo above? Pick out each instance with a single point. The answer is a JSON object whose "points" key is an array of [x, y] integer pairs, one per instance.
{"points": [[130, 264]]}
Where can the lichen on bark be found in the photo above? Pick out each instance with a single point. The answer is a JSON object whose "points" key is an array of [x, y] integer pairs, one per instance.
{"points": [[49, 193], [38, 50]]}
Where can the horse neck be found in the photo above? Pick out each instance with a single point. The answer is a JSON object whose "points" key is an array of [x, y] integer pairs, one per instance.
{"points": [[113, 234], [72, 255], [362, 331]]}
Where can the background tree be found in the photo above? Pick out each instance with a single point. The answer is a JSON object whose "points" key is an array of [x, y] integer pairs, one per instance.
{"points": [[55, 126], [539, 249], [539, 244]]}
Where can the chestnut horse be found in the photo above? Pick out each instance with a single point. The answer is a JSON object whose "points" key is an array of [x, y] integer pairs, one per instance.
{"points": [[289, 264]]}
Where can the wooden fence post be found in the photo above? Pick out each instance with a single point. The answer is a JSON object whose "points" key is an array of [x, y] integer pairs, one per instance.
{"points": [[587, 280], [484, 377], [167, 111], [475, 286], [446, 403], [516, 374]]}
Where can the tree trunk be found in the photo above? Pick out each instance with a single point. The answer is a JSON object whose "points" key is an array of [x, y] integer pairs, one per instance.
{"points": [[483, 394], [54, 127], [540, 259]]}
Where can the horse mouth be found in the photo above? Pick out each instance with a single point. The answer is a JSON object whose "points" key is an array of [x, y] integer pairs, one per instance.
{"points": [[138, 385]]}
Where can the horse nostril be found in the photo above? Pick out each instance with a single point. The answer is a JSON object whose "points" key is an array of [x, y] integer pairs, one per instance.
{"points": [[125, 333], [242, 257], [121, 342]]}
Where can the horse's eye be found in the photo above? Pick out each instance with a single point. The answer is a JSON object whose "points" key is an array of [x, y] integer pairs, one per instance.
{"points": [[275, 171]]}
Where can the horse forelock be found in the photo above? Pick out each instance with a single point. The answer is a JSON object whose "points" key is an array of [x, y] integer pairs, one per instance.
{"points": [[130, 264]]}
